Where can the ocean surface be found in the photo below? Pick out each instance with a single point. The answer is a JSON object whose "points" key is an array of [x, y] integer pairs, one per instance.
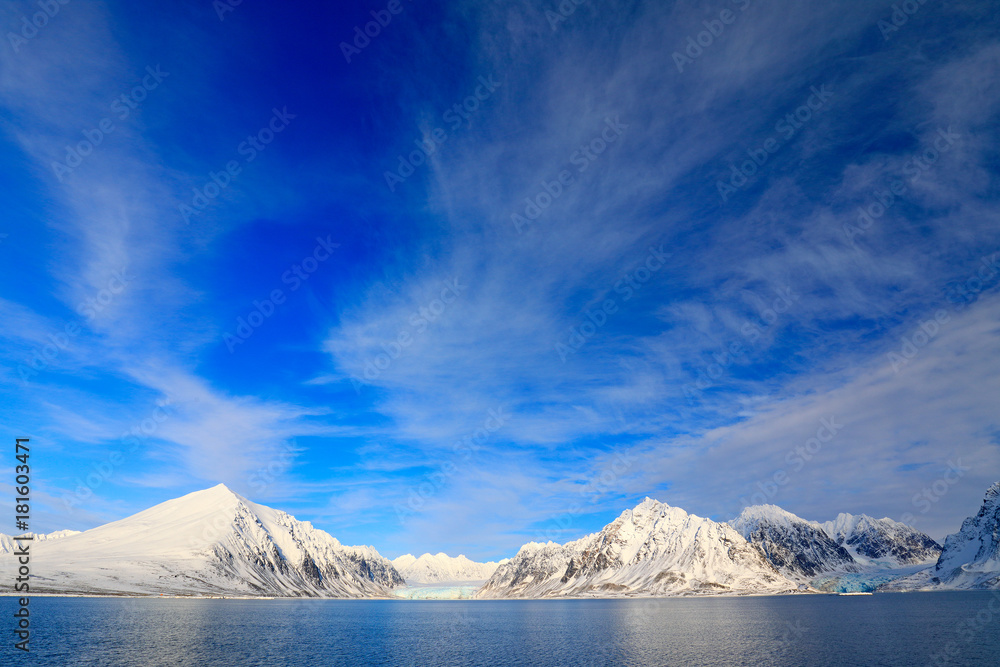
{"points": [[960, 628]]}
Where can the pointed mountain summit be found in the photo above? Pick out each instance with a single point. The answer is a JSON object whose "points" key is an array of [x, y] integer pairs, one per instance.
{"points": [[210, 542], [794, 546], [652, 549], [881, 541], [971, 557]]}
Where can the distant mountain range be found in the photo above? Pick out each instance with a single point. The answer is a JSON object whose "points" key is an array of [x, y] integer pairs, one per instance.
{"points": [[215, 542], [881, 541], [653, 549], [798, 549], [7, 542], [443, 569]]}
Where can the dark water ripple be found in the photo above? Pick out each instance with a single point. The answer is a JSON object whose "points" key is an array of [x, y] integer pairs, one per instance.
{"points": [[892, 630]]}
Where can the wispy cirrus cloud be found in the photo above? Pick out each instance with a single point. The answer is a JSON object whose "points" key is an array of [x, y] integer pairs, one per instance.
{"points": [[763, 313], [730, 261], [114, 209]]}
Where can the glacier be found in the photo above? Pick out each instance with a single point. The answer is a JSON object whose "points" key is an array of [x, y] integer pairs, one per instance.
{"points": [[441, 577]]}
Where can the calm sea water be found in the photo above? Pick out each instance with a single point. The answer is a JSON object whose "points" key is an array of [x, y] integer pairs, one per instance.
{"points": [[888, 629]]}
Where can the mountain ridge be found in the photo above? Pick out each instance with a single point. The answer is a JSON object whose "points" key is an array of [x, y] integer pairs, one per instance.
{"points": [[216, 542], [881, 541], [651, 549], [210, 542], [441, 568], [794, 546], [971, 557]]}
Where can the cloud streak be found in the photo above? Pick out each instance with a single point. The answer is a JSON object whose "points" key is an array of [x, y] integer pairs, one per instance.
{"points": [[563, 255]]}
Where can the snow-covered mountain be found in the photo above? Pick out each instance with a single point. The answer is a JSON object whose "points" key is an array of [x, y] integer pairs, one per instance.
{"points": [[7, 541], [971, 557], [795, 547], [442, 568], [215, 542], [653, 549], [211, 542], [881, 542]]}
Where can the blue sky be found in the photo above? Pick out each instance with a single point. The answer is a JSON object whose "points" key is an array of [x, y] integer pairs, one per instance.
{"points": [[499, 272]]}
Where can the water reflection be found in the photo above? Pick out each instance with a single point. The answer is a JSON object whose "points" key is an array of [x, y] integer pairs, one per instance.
{"points": [[888, 629]]}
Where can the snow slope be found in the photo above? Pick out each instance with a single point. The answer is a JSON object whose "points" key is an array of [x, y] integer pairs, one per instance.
{"points": [[653, 549], [971, 557], [881, 542], [795, 547], [442, 568], [208, 542], [215, 542]]}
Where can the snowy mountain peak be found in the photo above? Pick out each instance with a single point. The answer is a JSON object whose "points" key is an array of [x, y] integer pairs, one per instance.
{"points": [[881, 541], [442, 568], [57, 534], [797, 548], [218, 493], [649, 505], [654, 511], [992, 493], [651, 549], [403, 561], [971, 557], [756, 514], [531, 547], [844, 524], [213, 541]]}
